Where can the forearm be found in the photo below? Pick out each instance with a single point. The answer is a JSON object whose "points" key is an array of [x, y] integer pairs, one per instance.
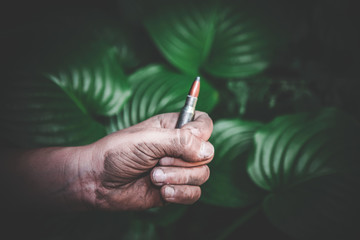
{"points": [[48, 178]]}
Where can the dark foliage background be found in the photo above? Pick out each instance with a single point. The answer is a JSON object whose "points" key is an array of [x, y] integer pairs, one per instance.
{"points": [[279, 78]]}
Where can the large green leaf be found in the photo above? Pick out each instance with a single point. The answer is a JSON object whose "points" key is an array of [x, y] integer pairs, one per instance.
{"points": [[229, 184], [309, 163], [158, 90], [37, 113], [224, 39], [95, 83], [184, 34], [241, 46]]}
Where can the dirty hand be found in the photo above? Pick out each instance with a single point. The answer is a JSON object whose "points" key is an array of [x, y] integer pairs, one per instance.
{"points": [[151, 163]]}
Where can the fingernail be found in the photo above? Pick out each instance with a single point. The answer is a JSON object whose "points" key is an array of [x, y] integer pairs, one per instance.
{"points": [[159, 175], [169, 192], [206, 150]]}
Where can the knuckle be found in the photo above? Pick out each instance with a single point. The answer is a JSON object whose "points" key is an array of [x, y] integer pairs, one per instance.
{"points": [[186, 139], [196, 131], [206, 115], [206, 172], [185, 176], [197, 194], [200, 176], [211, 124], [194, 193]]}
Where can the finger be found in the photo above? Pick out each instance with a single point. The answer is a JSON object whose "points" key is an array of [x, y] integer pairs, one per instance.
{"points": [[180, 176], [165, 120], [188, 147], [158, 143], [176, 162], [202, 126], [183, 194]]}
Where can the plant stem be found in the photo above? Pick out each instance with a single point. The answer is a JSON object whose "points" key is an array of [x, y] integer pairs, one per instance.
{"points": [[237, 223]]}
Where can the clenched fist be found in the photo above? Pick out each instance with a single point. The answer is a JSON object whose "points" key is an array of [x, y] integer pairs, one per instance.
{"points": [[152, 163]]}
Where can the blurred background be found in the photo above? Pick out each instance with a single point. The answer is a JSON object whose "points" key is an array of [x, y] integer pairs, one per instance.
{"points": [[279, 78]]}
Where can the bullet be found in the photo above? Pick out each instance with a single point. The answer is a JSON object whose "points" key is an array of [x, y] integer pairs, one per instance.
{"points": [[188, 111]]}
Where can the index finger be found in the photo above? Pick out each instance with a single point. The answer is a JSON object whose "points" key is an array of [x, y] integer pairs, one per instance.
{"points": [[201, 126], [165, 120]]}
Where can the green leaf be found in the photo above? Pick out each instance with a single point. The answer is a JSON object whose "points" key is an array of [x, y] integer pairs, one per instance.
{"points": [[95, 83], [36, 113], [309, 163], [229, 184], [184, 33], [223, 39], [158, 90], [241, 46]]}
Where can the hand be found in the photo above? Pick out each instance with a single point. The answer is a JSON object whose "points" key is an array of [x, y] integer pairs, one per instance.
{"points": [[151, 163]]}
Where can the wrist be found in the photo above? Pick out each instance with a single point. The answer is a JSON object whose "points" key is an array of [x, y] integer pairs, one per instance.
{"points": [[83, 178]]}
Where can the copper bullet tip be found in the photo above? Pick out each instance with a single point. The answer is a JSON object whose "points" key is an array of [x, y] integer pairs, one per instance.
{"points": [[195, 88]]}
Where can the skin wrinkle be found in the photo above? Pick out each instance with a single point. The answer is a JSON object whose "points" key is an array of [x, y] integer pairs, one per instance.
{"points": [[140, 153], [161, 121], [63, 191], [195, 178], [193, 194], [176, 142], [140, 161], [93, 175], [149, 191], [151, 147], [64, 171], [127, 197], [189, 195], [186, 138], [81, 182], [85, 183], [185, 176], [100, 198], [112, 170]]}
